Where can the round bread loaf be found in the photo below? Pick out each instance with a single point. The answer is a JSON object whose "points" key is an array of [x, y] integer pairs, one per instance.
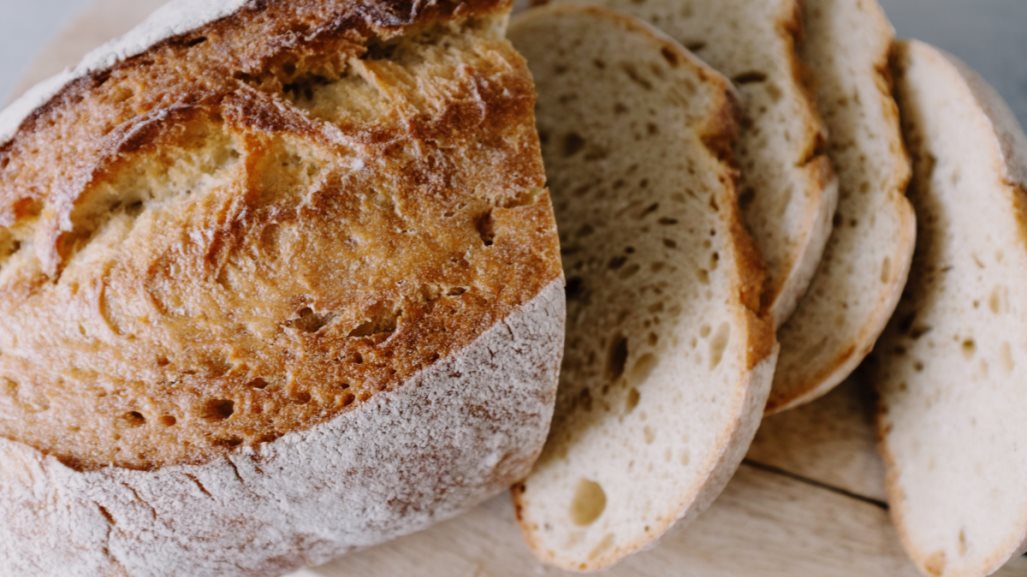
{"points": [[279, 279]]}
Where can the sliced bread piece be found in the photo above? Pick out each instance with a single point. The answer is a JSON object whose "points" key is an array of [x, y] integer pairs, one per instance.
{"points": [[668, 363], [788, 190], [867, 259], [952, 368]]}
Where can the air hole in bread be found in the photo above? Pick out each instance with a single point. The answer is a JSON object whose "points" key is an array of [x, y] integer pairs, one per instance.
{"points": [[969, 347], [636, 77], [302, 89], [695, 46], [486, 226], [670, 56], [642, 368], [301, 397], [229, 442], [617, 357], [934, 564], [168, 420], [308, 321], [632, 401], [616, 262], [258, 383], [719, 344], [133, 419], [218, 409], [381, 325], [749, 77], [456, 291], [195, 41], [667, 221], [704, 276], [1006, 357], [573, 143], [588, 503], [917, 332], [996, 301], [348, 399]]}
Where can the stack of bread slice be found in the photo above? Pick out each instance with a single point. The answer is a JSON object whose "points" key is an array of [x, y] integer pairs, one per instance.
{"points": [[668, 353]]}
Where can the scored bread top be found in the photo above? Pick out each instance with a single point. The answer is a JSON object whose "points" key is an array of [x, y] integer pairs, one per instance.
{"points": [[252, 226]]}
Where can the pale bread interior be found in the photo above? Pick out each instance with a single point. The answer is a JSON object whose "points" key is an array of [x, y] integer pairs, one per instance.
{"points": [[788, 191], [866, 262], [952, 369], [659, 396]]}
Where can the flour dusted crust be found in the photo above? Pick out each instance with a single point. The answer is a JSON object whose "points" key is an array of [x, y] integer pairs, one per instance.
{"points": [[277, 280], [440, 442]]}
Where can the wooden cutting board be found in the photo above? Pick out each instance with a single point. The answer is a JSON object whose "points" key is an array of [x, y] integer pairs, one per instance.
{"points": [[808, 501]]}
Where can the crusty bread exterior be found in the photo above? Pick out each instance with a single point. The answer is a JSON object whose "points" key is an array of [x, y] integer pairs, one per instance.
{"points": [[951, 369], [866, 262], [788, 189], [278, 279], [669, 357]]}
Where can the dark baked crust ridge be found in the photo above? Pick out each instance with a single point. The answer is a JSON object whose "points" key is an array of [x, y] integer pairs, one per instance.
{"points": [[166, 332]]}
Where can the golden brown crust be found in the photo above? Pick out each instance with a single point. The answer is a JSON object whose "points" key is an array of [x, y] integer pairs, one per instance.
{"points": [[719, 136], [153, 315]]}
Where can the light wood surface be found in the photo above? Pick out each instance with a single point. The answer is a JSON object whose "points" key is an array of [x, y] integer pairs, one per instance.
{"points": [[809, 501]]}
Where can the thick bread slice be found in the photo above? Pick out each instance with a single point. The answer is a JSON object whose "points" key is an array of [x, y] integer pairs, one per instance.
{"points": [[668, 363], [278, 279], [867, 259], [788, 190], [952, 368]]}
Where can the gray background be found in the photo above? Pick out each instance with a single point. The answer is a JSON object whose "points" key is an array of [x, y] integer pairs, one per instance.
{"points": [[990, 35]]}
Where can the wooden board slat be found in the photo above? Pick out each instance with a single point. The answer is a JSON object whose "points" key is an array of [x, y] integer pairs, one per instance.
{"points": [[764, 525], [831, 441], [792, 511]]}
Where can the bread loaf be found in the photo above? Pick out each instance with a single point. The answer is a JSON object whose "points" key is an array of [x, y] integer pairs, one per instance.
{"points": [[952, 368], [788, 190], [867, 259], [669, 359], [279, 279]]}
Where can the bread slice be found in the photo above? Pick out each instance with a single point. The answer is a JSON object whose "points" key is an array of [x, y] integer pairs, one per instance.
{"points": [[952, 368], [668, 361], [788, 190], [867, 259], [277, 280]]}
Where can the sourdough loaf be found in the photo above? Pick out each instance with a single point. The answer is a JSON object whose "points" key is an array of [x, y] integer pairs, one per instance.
{"points": [[952, 368], [669, 360], [279, 279], [788, 191], [867, 259]]}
